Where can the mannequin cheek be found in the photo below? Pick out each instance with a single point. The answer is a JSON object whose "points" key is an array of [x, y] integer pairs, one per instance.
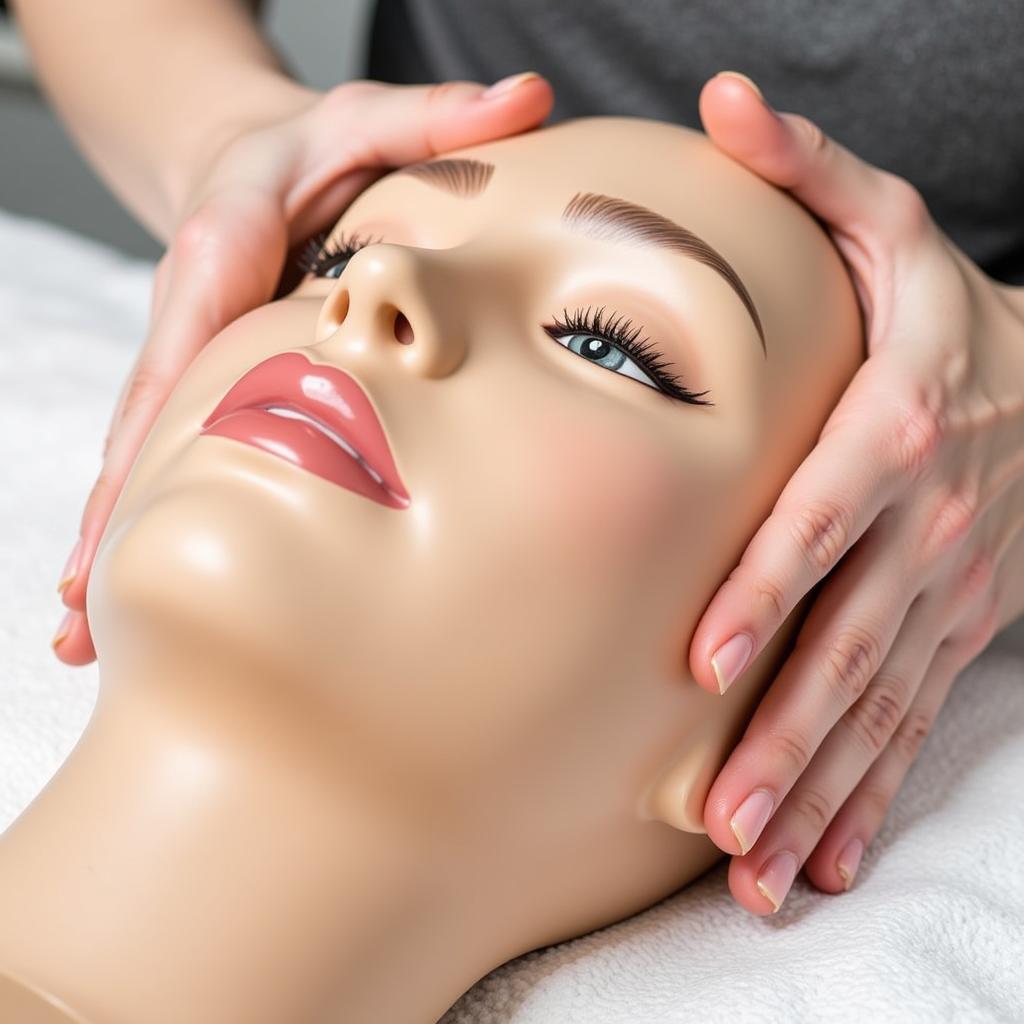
{"points": [[604, 496]]}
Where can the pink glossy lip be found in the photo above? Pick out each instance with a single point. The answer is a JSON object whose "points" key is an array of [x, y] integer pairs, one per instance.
{"points": [[316, 417]]}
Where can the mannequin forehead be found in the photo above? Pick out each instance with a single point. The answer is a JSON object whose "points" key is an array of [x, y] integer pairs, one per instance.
{"points": [[542, 176], [672, 169]]}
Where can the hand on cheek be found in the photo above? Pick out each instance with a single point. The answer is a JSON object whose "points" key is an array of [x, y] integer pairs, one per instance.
{"points": [[908, 512]]}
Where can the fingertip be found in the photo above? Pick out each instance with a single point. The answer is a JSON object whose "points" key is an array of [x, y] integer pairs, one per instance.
{"points": [[72, 643], [737, 117], [517, 86], [719, 654], [519, 102], [704, 676], [744, 888], [735, 84]]}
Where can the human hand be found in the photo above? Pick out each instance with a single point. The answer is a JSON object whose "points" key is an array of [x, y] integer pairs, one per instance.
{"points": [[911, 503], [268, 188]]}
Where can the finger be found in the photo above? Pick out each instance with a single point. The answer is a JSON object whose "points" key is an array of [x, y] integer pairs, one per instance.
{"points": [[832, 866], [224, 261], [371, 124], [862, 460], [844, 641], [794, 153], [72, 643], [843, 759], [157, 295]]}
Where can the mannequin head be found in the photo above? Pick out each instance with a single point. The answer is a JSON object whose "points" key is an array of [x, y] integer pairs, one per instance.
{"points": [[495, 662]]}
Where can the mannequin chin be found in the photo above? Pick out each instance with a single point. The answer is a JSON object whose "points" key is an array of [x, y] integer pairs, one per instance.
{"points": [[350, 752]]}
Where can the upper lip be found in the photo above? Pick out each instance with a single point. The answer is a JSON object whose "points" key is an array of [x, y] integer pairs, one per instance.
{"points": [[325, 394]]}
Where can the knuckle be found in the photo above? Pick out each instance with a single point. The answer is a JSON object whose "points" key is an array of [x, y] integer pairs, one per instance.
{"points": [[770, 595], [822, 530], [976, 580], [850, 660], [951, 522], [813, 807], [877, 715], [969, 641], [908, 214], [793, 748], [816, 141], [145, 387], [909, 737], [876, 799], [102, 495], [342, 98], [198, 234], [917, 435], [349, 106], [441, 94]]}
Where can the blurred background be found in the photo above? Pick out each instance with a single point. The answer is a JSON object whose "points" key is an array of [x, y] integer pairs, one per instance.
{"points": [[41, 173]]}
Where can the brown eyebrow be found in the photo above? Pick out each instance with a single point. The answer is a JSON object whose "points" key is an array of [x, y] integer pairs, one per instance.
{"points": [[609, 219], [460, 177]]}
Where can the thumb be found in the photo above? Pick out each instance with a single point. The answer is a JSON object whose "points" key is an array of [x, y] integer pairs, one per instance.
{"points": [[794, 153], [396, 125]]}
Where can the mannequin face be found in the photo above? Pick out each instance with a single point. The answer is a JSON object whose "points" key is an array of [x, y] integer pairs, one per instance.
{"points": [[501, 651]]}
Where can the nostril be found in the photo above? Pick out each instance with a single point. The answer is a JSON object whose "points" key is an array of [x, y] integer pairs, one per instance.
{"points": [[332, 314], [403, 329]]}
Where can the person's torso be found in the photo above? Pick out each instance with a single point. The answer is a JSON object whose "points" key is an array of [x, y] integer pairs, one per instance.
{"points": [[933, 92]]}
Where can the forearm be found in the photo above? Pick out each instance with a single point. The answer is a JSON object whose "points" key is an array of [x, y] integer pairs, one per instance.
{"points": [[150, 89]]}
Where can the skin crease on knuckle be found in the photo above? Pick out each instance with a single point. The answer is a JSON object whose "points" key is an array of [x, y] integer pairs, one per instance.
{"points": [[917, 433], [952, 520], [822, 530], [850, 660], [875, 717], [811, 806]]}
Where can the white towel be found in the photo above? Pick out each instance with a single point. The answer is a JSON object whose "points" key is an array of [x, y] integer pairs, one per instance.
{"points": [[933, 930]]}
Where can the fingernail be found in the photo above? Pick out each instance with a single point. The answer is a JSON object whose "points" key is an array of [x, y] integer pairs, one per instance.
{"points": [[744, 78], [70, 570], [848, 861], [751, 817], [62, 630], [730, 659], [776, 878], [505, 85]]}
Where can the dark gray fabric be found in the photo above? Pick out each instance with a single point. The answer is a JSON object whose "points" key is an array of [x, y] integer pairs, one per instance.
{"points": [[932, 90]]}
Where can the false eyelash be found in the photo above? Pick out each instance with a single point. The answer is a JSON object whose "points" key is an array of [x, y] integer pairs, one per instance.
{"points": [[318, 255], [617, 330]]}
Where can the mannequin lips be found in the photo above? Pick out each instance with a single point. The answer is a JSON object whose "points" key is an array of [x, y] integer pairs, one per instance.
{"points": [[316, 417]]}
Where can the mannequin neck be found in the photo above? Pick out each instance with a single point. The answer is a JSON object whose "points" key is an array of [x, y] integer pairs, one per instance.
{"points": [[196, 833]]}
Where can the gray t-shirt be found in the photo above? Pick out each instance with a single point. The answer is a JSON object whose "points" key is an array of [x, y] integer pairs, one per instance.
{"points": [[933, 91]]}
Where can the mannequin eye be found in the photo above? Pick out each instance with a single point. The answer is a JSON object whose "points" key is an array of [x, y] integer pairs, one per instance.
{"points": [[612, 345], [328, 258], [604, 353]]}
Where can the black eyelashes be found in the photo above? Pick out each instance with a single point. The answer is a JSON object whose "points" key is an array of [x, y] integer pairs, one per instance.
{"points": [[619, 331], [319, 256]]}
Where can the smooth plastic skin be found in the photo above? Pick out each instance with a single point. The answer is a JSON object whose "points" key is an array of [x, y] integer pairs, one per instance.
{"points": [[347, 758]]}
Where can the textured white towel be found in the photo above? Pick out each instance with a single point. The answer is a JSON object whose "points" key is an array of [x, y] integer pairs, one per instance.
{"points": [[932, 931]]}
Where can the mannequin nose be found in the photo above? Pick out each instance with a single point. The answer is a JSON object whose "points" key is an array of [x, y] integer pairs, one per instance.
{"points": [[380, 307]]}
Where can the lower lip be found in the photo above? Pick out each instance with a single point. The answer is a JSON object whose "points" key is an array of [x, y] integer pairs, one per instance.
{"points": [[304, 446]]}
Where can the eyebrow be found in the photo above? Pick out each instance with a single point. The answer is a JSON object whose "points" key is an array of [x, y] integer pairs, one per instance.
{"points": [[608, 219], [460, 177], [597, 216]]}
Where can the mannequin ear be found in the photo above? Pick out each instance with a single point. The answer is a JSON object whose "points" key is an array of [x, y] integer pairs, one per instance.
{"points": [[678, 797]]}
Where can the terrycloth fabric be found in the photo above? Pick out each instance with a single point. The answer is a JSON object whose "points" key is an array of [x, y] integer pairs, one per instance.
{"points": [[932, 931]]}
